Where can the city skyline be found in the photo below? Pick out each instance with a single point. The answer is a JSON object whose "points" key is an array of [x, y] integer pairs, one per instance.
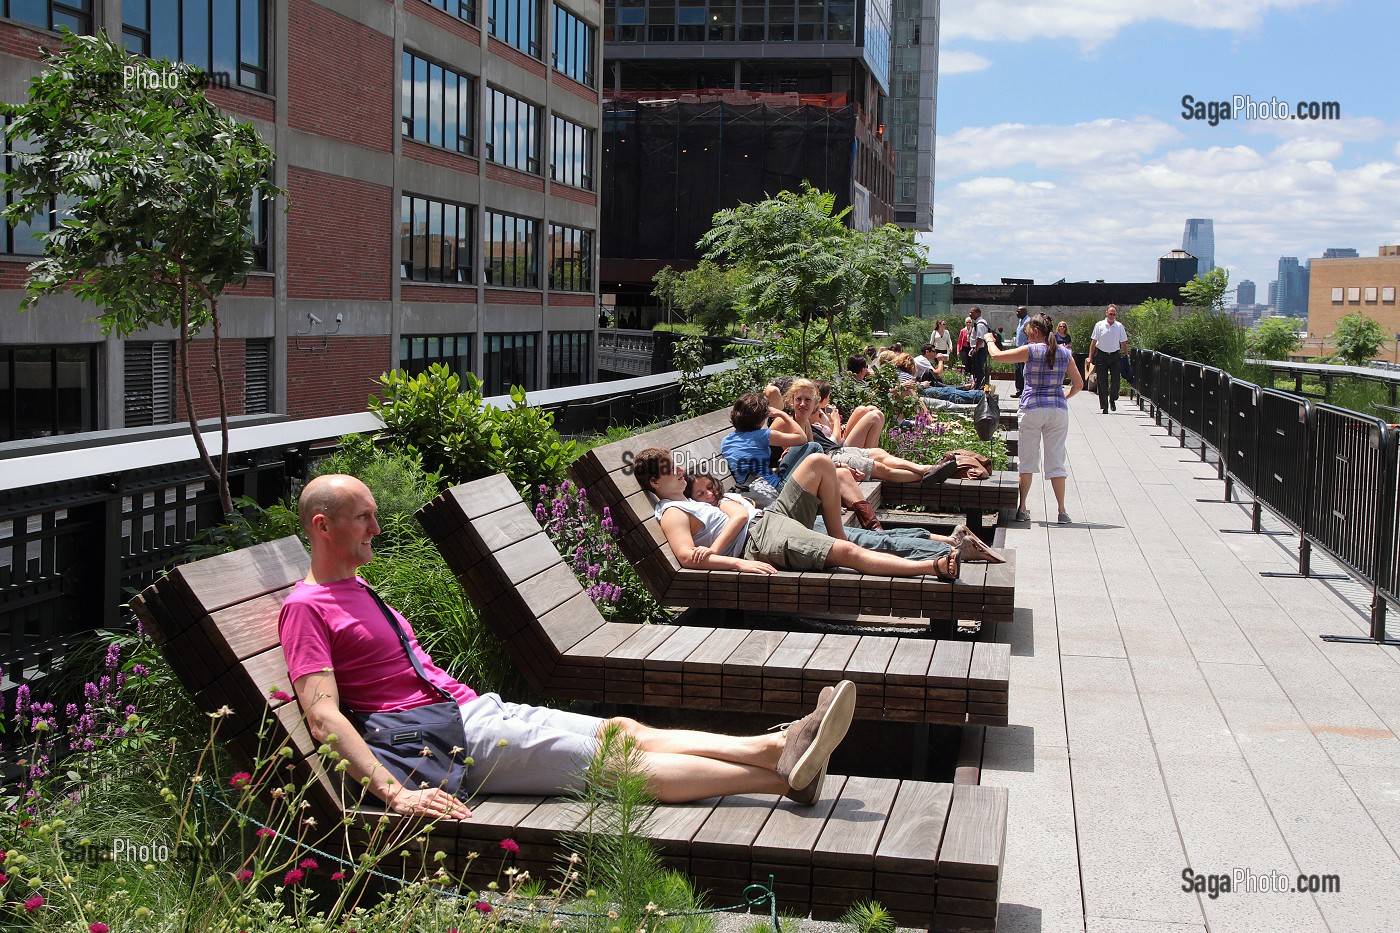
{"points": [[1063, 150]]}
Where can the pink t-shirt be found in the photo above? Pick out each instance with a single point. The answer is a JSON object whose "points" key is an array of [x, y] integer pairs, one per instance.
{"points": [[341, 620]]}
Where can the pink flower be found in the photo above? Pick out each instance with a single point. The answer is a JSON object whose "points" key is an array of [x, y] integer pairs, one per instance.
{"points": [[3, 877], [483, 907], [338, 876], [511, 846], [281, 695], [293, 877], [98, 928], [265, 831], [244, 876], [34, 903], [308, 864], [240, 780]]}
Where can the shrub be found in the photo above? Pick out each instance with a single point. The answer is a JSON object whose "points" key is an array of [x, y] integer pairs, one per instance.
{"points": [[460, 438], [1273, 338], [1358, 338]]}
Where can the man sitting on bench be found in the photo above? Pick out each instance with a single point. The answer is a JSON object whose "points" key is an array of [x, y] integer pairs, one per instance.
{"points": [[341, 648], [735, 535]]}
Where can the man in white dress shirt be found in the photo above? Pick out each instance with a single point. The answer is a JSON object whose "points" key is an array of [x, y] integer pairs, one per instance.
{"points": [[1106, 347]]}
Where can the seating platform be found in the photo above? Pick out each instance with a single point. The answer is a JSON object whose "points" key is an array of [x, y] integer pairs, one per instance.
{"points": [[932, 853]]}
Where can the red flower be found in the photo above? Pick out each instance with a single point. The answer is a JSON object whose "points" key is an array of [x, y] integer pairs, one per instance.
{"points": [[511, 846], [293, 877], [483, 907], [308, 864], [265, 831], [281, 695], [338, 876], [98, 928], [33, 904], [244, 875], [3, 877], [240, 780]]}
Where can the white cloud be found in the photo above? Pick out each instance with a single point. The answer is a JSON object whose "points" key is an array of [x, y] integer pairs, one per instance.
{"points": [[1096, 143], [1093, 22], [957, 62], [1304, 149], [1112, 215]]}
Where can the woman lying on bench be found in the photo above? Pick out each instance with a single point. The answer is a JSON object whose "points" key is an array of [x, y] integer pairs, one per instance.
{"points": [[702, 536]]}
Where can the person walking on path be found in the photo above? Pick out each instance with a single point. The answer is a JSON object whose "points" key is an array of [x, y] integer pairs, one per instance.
{"points": [[940, 338], [1106, 346], [1044, 415], [1021, 318], [979, 337]]}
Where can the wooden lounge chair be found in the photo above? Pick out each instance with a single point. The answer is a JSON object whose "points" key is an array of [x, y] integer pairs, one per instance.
{"points": [[984, 592], [532, 600], [932, 853]]}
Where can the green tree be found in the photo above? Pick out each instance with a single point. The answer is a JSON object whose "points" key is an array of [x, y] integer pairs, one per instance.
{"points": [[1207, 291], [802, 266], [1358, 339], [158, 187], [707, 296], [1274, 338]]}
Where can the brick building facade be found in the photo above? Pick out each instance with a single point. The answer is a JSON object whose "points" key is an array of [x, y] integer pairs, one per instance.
{"points": [[439, 159]]}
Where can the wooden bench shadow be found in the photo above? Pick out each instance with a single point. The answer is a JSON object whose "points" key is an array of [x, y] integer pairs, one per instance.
{"points": [[984, 592], [932, 853]]}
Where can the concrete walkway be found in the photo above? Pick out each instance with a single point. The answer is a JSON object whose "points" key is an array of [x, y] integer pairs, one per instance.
{"points": [[1172, 709]]}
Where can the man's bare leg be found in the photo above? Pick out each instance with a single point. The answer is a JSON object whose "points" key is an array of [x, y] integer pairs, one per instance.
{"points": [[817, 475], [685, 778]]}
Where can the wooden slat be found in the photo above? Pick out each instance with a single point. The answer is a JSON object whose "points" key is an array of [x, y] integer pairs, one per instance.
{"points": [[224, 579], [974, 843]]}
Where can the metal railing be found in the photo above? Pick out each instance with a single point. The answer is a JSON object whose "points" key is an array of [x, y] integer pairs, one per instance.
{"points": [[1330, 475]]}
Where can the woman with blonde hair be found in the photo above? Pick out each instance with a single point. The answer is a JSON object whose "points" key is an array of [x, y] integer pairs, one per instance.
{"points": [[869, 462]]}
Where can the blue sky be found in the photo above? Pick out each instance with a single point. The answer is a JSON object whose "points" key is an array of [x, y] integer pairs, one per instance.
{"points": [[1062, 151]]}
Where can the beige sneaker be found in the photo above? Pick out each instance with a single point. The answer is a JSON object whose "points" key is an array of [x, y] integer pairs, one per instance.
{"points": [[811, 740]]}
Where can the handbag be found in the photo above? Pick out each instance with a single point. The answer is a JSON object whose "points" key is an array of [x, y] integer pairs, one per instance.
{"points": [[986, 416], [970, 464], [421, 747]]}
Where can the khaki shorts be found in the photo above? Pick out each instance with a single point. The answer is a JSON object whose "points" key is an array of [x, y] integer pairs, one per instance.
{"points": [[783, 535], [856, 459]]}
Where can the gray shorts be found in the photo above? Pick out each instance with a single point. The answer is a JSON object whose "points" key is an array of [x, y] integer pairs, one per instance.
{"points": [[546, 750], [856, 458]]}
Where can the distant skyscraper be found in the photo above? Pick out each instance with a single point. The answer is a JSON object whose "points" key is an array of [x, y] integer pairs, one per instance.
{"points": [[1292, 297], [1199, 241], [1273, 293], [913, 110], [1244, 292], [1337, 252]]}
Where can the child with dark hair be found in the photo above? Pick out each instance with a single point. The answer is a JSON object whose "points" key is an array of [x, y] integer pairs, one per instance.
{"points": [[747, 449]]}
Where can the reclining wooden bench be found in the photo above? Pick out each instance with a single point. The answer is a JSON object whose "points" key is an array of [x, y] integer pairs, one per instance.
{"points": [[931, 853], [532, 600], [984, 592]]}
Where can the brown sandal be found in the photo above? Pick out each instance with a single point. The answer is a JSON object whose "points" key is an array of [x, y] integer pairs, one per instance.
{"points": [[952, 567]]}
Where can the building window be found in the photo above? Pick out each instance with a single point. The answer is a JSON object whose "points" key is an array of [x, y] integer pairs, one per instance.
{"points": [[47, 390], [1336, 294], [438, 105], [49, 14], [260, 229], [512, 131], [1388, 293], [512, 256], [462, 9], [570, 153], [436, 241], [570, 358], [508, 360], [573, 46], [24, 238], [454, 351], [570, 259], [516, 22], [227, 38]]}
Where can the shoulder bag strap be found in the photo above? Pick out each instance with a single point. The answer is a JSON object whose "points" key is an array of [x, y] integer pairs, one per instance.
{"points": [[403, 640]]}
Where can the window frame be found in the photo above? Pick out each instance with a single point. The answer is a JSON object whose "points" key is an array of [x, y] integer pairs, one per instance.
{"points": [[507, 151], [507, 28], [250, 20], [409, 121], [566, 138], [583, 253], [463, 271], [529, 278], [570, 30]]}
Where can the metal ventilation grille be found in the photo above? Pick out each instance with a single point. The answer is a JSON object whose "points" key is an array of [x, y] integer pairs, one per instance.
{"points": [[147, 393], [257, 386]]}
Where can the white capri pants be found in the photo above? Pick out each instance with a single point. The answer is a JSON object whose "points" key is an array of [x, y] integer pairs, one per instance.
{"points": [[1048, 428]]}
